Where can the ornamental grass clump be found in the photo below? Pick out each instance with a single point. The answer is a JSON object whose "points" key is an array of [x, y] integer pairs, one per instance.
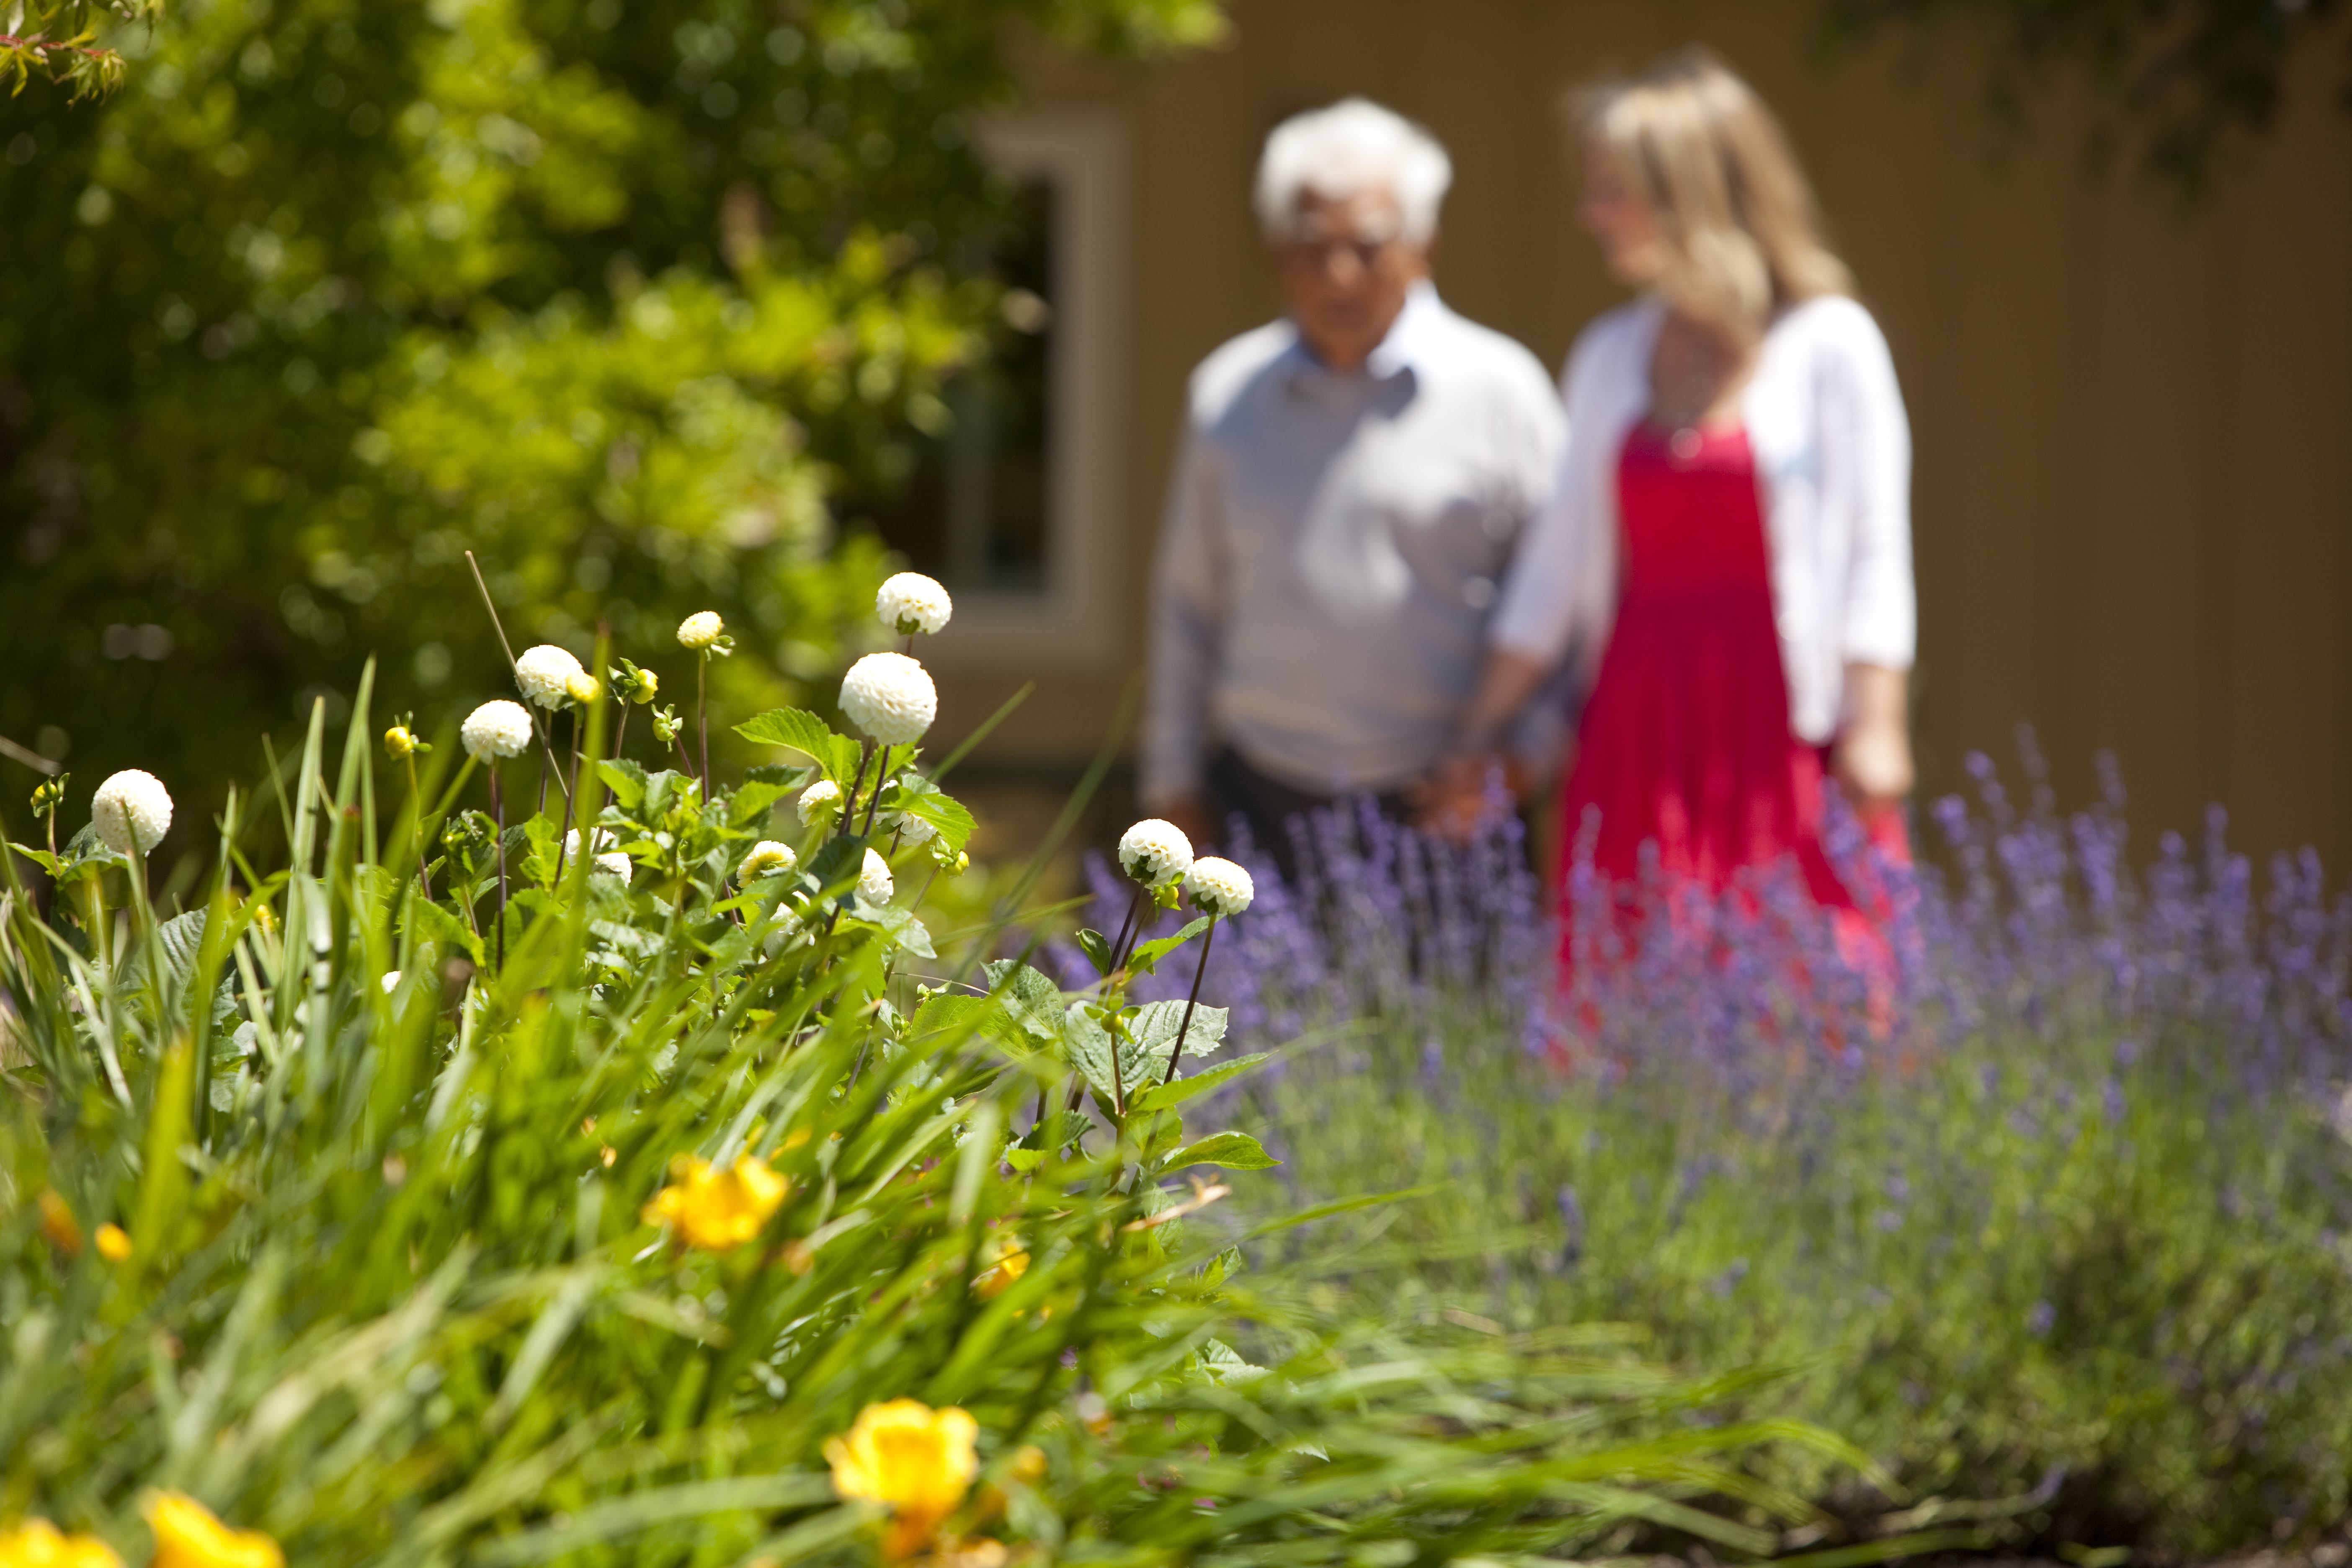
{"points": [[718, 1213]]}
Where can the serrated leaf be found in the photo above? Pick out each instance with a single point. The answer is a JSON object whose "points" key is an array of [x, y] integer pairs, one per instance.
{"points": [[1032, 1002], [950, 816], [806, 733], [1235, 1151], [1143, 1055], [1183, 1089], [900, 927]]}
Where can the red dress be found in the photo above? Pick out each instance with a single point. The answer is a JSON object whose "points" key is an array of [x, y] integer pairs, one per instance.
{"points": [[1685, 739]]}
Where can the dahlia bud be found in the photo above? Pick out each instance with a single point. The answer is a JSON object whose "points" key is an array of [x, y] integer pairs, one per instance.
{"points": [[889, 697], [703, 632], [545, 674], [132, 812], [910, 602], [1219, 888], [497, 729], [1154, 853]]}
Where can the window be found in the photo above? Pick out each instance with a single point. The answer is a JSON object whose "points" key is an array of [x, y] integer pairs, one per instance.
{"points": [[1016, 508]]}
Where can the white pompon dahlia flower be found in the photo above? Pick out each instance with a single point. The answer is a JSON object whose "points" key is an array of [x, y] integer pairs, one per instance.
{"points": [[701, 629], [1154, 853], [821, 799], [891, 697], [910, 602], [545, 674], [132, 812], [609, 860], [1219, 888], [495, 730], [874, 884], [766, 858], [913, 831]]}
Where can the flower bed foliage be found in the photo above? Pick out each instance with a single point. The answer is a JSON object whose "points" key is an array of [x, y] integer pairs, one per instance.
{"points": [[658, 1192], [2054, 1210]]}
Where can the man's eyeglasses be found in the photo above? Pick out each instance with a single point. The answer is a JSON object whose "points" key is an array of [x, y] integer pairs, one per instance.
{"points": [[1320, 253]]}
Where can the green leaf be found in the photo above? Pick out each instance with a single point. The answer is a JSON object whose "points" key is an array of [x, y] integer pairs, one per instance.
{"points": [[1183, 1089], [806, 733], [626, 779], [1033, 1003], [1148, 953], [433, 923], [751, 802], [1150, 1041], [1097, 947], [1235, 1150], [918, 798]]}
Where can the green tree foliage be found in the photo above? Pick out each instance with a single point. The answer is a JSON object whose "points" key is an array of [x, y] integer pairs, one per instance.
{"points": [[61, 42], [2183, 79], [634, 299]]}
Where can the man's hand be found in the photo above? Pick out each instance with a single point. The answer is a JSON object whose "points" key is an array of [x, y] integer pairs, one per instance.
{"points": [[1453, 802]]}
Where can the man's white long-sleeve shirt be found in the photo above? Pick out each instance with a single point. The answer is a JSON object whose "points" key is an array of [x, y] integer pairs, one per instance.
{"points": [[1333, 549]]}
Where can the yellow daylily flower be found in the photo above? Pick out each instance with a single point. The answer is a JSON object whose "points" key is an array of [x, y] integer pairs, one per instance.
{"points": [[919, 1460], [1000, 1277], [188, 1535], [37, 1543], [718, 1210]]}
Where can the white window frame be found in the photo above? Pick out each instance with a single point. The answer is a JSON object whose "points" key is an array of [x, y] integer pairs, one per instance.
{"points": [[1073, 617]]}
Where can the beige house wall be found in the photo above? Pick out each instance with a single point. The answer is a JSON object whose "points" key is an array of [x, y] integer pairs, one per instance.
{"points": [[2134, 427]]}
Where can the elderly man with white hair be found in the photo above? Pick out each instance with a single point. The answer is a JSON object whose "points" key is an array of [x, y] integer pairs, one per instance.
{"points": [[1353, 482]]}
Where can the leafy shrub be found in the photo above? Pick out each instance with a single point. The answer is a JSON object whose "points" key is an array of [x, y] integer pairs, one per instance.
{"points": [[2055, 1205], [647, 304]]}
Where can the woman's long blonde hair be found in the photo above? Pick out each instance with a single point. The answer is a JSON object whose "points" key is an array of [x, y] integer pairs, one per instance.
{"points": [[1735, 217]]}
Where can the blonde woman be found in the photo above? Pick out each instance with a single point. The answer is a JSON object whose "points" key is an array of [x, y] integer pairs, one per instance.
{"points": [[1726, 564]]}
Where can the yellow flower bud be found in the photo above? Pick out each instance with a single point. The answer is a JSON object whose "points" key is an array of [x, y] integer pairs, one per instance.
{"points": [[113, 1242], [582, 689], [398, 743], [647, 684]]}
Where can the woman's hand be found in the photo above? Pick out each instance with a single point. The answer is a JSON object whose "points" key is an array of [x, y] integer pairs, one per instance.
{"points": [[1872, 756]]}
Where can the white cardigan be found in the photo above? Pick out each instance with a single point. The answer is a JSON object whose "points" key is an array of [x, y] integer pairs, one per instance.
{"points": [[1833, 455]]}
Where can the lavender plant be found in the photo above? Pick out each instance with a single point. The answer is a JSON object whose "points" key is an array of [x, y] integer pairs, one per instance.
{"points": [[2044, 1177]]}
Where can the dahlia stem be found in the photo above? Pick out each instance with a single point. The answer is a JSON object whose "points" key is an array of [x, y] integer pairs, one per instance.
{"points": [[499, 813], [880, 775], [621, 730], [416, 802], [702, 718], [559, 847], [1185, 1028], [1118, 950], [849, 801]]}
